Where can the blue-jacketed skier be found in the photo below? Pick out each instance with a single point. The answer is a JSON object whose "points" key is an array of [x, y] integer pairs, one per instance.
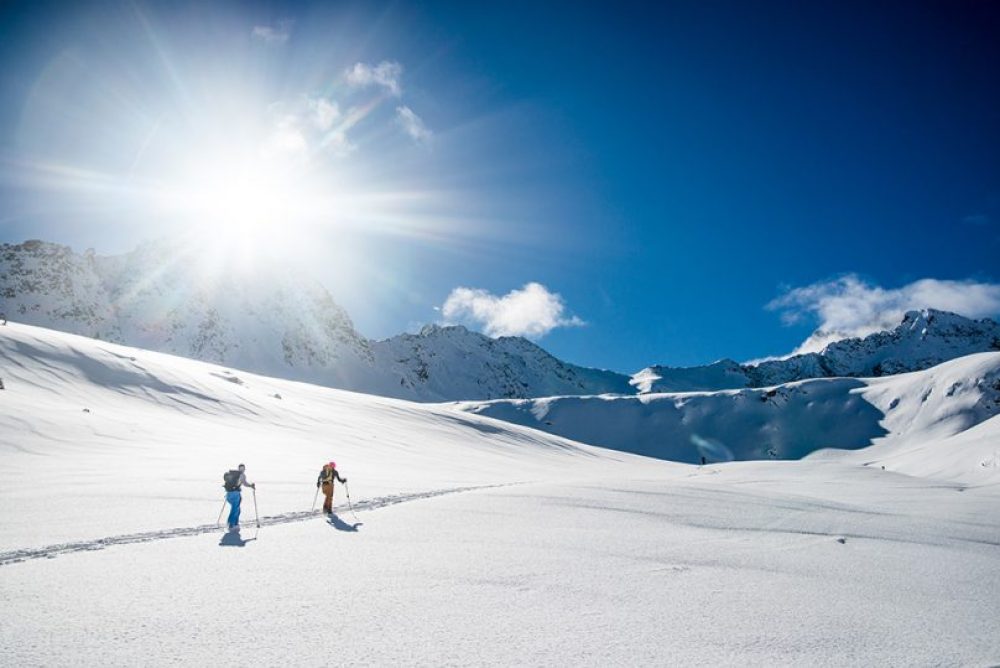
{"points": [[233, 481]]}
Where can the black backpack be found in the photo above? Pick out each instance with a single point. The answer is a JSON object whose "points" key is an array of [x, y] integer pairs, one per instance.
{"points": [[231, 480]]}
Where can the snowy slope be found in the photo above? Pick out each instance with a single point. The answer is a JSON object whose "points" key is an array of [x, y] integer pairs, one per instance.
{"points": [[724, 374], [923, 339], [787, 421], [92, 398], [475, 542]]}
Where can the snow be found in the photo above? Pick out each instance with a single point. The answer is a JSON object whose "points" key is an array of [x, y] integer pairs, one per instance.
{"points": [[897, 414], [923, 339], [441, 363], [724, 374], [476, 541], [149, 426]]}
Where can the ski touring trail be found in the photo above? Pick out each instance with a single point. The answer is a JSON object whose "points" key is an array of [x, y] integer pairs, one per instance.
{"points": [[53, 551]]}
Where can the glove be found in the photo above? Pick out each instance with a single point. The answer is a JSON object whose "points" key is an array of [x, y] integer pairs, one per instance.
{"points": [[253, 486], [345, 481], [317, 485]]}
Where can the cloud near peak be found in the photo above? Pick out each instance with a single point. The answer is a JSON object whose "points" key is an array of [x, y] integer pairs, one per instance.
{"points": [[413, 125], [311, 126], [850, 307], [532, 312], [386, 75]]}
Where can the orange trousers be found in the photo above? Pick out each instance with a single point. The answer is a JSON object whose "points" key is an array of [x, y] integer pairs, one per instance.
{"points": [[327, 497]]}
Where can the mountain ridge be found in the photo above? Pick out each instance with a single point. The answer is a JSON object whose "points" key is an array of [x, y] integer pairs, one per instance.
{"points": [[923, 339], [271, 319]]}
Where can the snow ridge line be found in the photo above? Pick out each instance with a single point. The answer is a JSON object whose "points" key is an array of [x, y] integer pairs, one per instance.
{"points": [[53, 551]]}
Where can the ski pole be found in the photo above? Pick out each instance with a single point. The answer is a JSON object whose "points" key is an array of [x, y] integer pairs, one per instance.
{"points": [[348, 491], [255, 515], [220, 511], [315, 497]]}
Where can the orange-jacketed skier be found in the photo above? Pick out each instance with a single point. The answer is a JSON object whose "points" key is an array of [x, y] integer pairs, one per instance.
{"points": [[326, 478]]}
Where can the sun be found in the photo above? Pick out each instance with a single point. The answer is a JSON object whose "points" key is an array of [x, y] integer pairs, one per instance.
{"points": [[241, 199], [243, 205]]}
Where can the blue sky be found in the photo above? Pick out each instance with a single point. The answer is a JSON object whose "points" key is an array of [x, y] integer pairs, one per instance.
{"points": [[626, 185]]}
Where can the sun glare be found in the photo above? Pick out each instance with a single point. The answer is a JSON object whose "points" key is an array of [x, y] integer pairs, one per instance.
{"points": [[247, 201], [242, 206], [246, 167]]}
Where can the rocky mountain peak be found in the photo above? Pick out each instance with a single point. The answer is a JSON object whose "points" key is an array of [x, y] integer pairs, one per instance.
{"points": [[924, 338]]}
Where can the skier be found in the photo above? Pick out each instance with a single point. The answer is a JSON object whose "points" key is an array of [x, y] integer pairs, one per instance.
{"points": [[326, 478], [234, 480]]}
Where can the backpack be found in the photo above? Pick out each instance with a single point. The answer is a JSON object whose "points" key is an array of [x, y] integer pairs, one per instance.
{"points": [[231, 480]]}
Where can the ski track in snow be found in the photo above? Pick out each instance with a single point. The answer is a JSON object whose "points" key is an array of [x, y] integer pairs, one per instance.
{"points": [[53, 551]]}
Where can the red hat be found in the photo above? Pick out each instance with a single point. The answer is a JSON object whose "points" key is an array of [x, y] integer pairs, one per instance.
{"points": [[332, 465]]}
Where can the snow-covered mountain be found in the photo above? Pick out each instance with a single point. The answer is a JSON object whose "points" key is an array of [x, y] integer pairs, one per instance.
{"points": [[49, 285], [164, 296], [176, 298], [922, 340], [170, 297], [788, 421], [442, 363]]}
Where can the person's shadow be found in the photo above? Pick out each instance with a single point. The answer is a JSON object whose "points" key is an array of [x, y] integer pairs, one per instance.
{"points": [[341, 525], [232, 538]]}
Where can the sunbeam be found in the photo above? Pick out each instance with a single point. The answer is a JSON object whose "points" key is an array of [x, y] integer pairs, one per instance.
{"points": [[251, 159]]}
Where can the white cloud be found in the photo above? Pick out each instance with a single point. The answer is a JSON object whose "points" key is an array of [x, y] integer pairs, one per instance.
{"points": [[273, 34], [324, 113], [532, 311], [386, 74], [413, 125], [307, 128], [310, 127], [848, 306]]}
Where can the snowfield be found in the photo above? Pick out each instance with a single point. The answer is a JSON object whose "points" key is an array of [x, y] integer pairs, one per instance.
{"points": [[474, 541], [940, 422]]}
